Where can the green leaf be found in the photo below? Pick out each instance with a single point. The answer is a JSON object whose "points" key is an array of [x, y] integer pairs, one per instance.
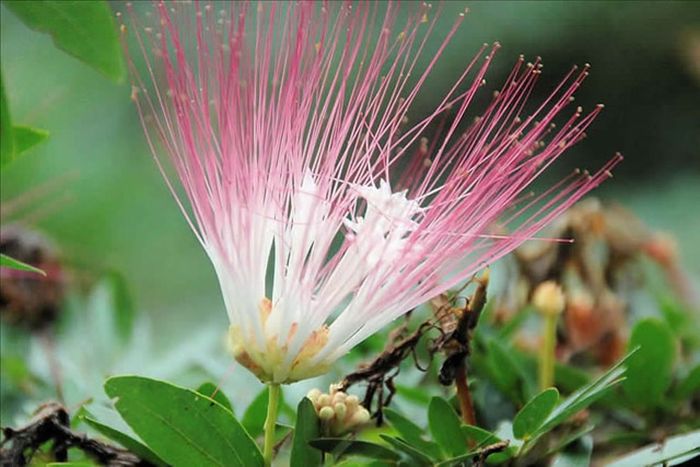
{"points": [[577, 456], [411, 433], [341, 447], [534, 413], [126, 441], [254, 417], [417, 457], [7, 139], [445, 427], [307, 428], [122, 303], [689, 385], [85, 30], [585, 396], [673, 451], [478, 436], [7, 262], [649, 371], [212, 391], [26, 137], [180, 425]]}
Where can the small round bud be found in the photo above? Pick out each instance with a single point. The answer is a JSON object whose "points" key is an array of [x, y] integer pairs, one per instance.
{"points": [[341, 410], [326, 413], [360, 417], [352, 402], [548, 298], [339, 397], [323, 400], [313, 395]]}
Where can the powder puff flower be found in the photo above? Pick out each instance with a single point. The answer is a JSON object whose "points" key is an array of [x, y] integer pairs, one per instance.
{"points": [[325, 214]]}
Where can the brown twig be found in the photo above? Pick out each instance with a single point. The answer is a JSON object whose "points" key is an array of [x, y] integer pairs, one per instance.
{"points": [[52, 424]]}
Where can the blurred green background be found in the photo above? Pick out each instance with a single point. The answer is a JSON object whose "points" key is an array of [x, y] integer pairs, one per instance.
{"points": [[114, 211]]}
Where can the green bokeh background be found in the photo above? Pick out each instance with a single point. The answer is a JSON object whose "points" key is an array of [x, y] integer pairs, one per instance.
{"points": [[119, 215]]}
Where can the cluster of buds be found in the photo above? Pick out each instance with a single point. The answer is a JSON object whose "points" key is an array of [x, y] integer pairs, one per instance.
{"points": [[339, 412]]}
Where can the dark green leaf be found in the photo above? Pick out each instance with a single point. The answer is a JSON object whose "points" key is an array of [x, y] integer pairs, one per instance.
{"points": [[534, 413], [26, 137], [85, 30], [7, 139], [417, 457], [11, 263], [445, 427], [126, 441], [411, 433], [254, 417], [649, 371], [585, 396], [212, 391], [181, 426], [673, 451], [307, 428], [341, 447]]}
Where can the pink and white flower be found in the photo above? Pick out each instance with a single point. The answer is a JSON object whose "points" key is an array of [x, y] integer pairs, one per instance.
{"points": [[326, 216]]}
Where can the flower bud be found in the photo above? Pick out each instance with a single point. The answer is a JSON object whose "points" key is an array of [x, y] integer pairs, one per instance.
{"points": [[548, 298], [341, 410], [313, 395], [326, 413]]}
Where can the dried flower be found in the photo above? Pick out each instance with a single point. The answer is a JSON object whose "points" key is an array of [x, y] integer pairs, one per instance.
{"points": [[325, 214]]}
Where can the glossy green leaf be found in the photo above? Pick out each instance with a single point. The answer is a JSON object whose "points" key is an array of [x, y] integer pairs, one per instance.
{"points": [[534, 413], [585, 396], [445, 427], [417, 457], [85, 30], [307, 428], [181, 426], [341, 447], [27, 137], [478, 436], [411, 433], [125, 440], [212, 391], [11, 263], [649, 371], [7, 139], [673, 451]]}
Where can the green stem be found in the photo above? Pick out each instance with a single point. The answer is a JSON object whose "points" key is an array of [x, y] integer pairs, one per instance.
{"points": [[270, 421], [549, 337]]}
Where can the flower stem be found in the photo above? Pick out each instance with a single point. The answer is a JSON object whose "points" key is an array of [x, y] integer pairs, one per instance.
{"points": [[549, 336], [270, 420]]}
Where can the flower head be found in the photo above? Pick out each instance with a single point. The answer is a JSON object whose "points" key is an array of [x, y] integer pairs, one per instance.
{"points": [[325, 215]]}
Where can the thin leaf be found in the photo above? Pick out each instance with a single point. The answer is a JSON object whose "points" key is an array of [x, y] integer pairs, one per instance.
{"points": [[181, 426], [417, 457], [585, 396], [27, 137], [11, 263], [212, 391], [445, 427], [412, 433], [7, 139], [341, 447], [673, 451], [85, 30], [534, 413], [307, 428]]}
